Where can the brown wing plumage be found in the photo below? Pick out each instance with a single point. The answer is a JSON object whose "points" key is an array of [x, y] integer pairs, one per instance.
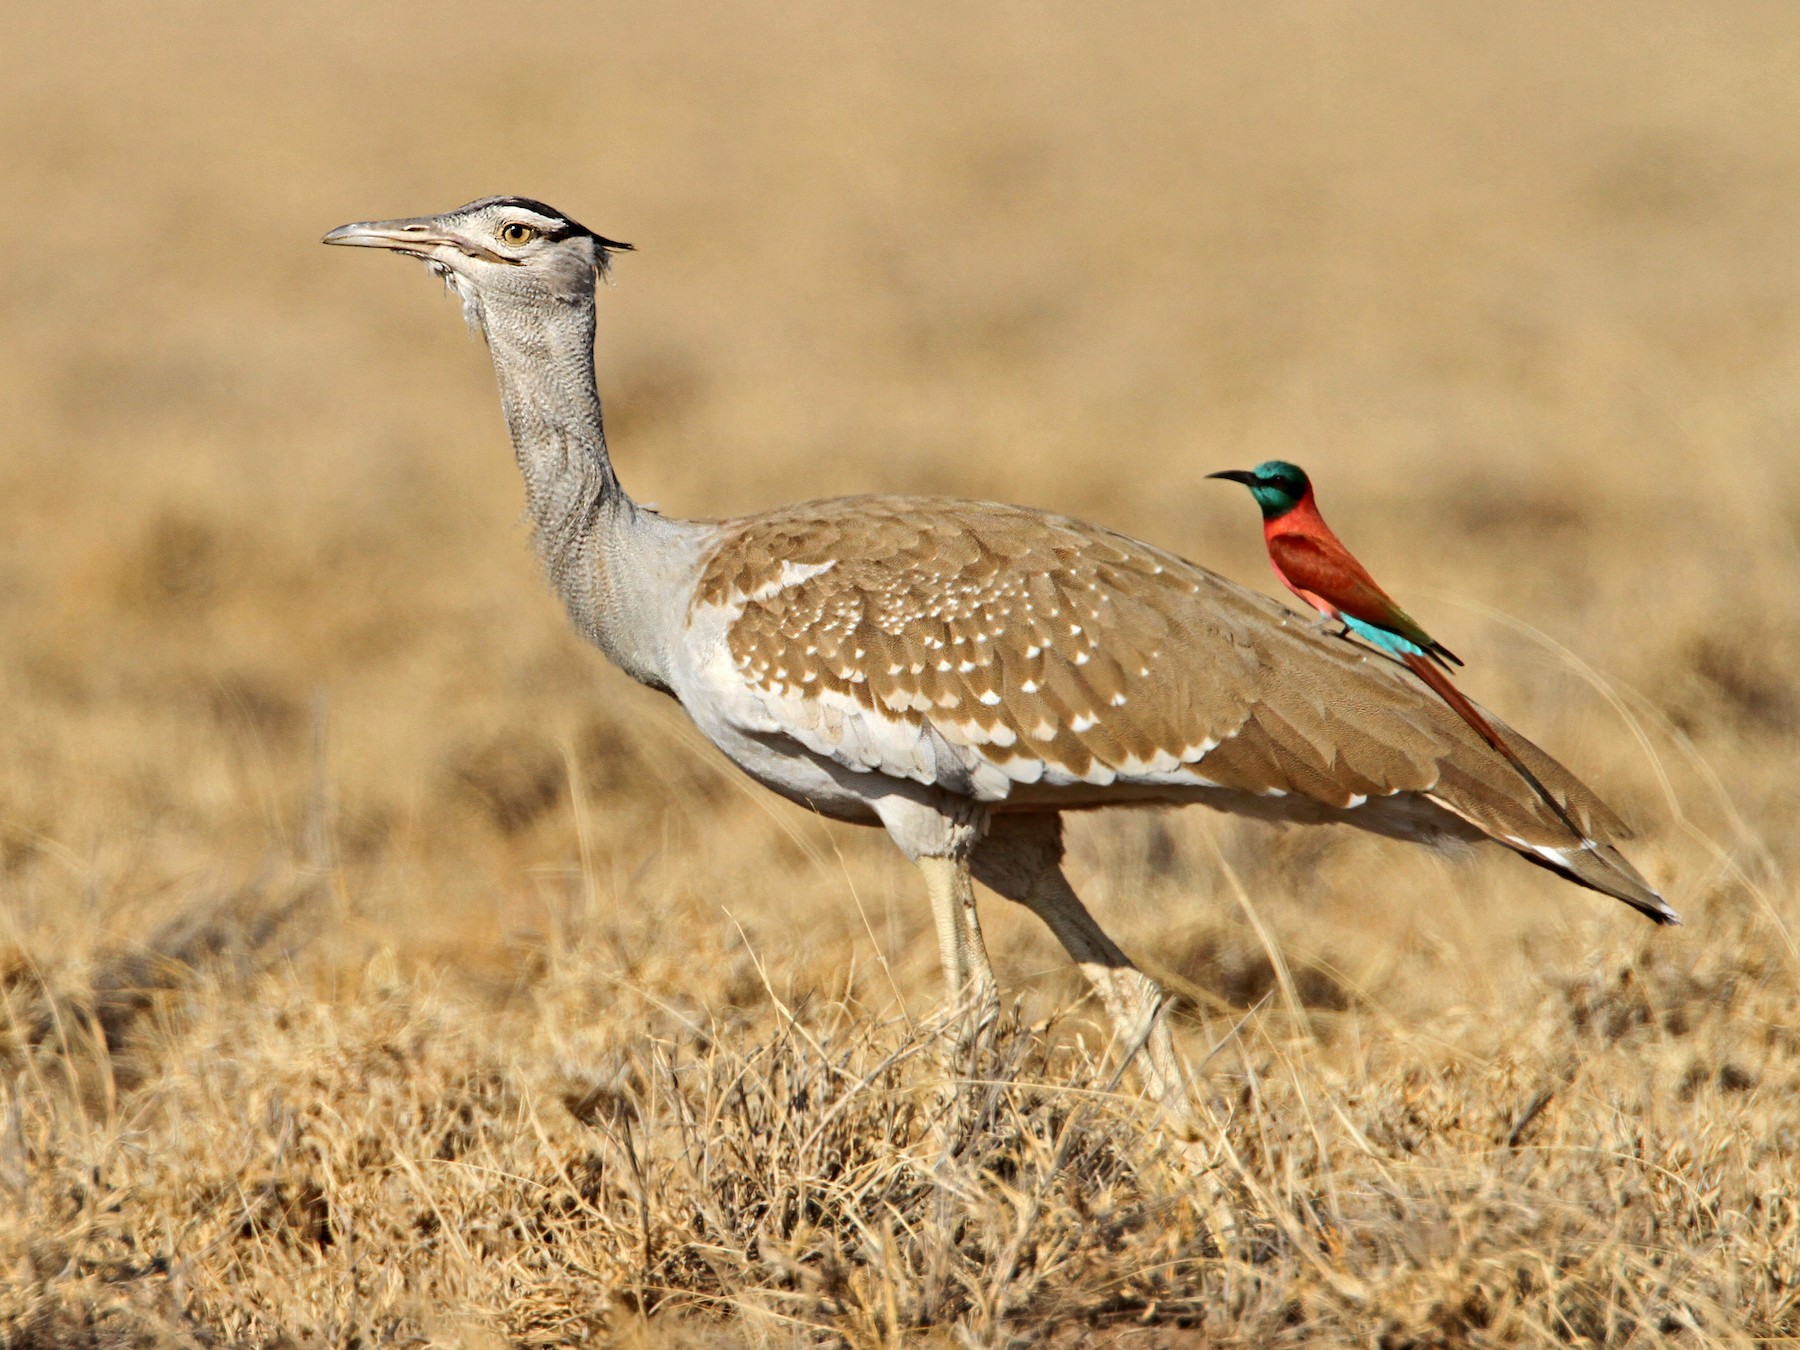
{"points": [[1069, 655]]}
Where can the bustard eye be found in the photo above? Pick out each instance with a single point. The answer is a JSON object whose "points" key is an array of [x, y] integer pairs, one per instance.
{"points": [[517, 234]]}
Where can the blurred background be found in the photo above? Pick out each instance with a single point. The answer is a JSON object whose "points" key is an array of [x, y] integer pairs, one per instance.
{"points": [[350, 907], [1517, 283]]}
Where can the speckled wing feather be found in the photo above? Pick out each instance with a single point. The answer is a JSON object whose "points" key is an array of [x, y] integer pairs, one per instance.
{"points": [[1023, 657]]}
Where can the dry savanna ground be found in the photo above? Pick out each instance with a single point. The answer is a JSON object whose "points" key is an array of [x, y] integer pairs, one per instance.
{"points": [[378, 967]]}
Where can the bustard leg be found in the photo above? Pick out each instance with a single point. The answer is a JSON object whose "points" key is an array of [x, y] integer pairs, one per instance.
{"points": [[968, 975], [1021, 859], [940, 837], [972, 1006]]}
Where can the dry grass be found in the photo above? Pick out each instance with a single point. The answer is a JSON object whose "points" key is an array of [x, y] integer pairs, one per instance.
{"points": [[375, 966]]}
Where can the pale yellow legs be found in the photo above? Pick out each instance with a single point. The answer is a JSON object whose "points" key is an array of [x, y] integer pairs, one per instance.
{"points": [[1133, 1000], [1021, 858]]}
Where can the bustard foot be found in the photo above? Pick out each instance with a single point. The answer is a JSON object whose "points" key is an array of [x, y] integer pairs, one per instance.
{"points": [[976, 1074], [967, 1026]]}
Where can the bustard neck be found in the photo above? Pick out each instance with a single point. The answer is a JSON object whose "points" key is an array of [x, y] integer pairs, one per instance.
{"points": [[617, 566]]}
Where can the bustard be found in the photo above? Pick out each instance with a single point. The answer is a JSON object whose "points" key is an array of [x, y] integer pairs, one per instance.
{"points": [[963, 672]]}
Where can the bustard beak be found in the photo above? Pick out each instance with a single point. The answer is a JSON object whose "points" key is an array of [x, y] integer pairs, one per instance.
{"points": [[1244, 476], [408, 236], [417, 236]]}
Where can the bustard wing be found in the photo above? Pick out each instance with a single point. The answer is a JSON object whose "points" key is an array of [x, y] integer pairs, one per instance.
{"points": [[1014, 655]]}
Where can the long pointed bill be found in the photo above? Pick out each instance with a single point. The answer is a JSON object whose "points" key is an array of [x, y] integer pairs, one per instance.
{"points": [[1243, 476], [417, 236], [408, 236]]}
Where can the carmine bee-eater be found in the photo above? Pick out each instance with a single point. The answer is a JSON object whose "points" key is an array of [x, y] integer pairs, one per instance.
{"points": [[1313, 563]]}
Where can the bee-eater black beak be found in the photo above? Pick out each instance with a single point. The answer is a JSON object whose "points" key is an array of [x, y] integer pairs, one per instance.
{"points": [[1244, 476]]}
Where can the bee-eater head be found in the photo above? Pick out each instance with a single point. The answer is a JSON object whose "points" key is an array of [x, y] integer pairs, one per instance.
{"points": [[1277, 485]]}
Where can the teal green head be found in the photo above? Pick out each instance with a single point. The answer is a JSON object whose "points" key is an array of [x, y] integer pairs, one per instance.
{"points": [[1277, 485]]}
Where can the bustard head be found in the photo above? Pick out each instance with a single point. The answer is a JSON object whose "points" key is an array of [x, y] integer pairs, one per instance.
{"points": [[507, 258], [1277, 485]]}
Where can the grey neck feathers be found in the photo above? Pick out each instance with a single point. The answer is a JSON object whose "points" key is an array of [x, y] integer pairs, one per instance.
{"points": [[617, 566]]}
